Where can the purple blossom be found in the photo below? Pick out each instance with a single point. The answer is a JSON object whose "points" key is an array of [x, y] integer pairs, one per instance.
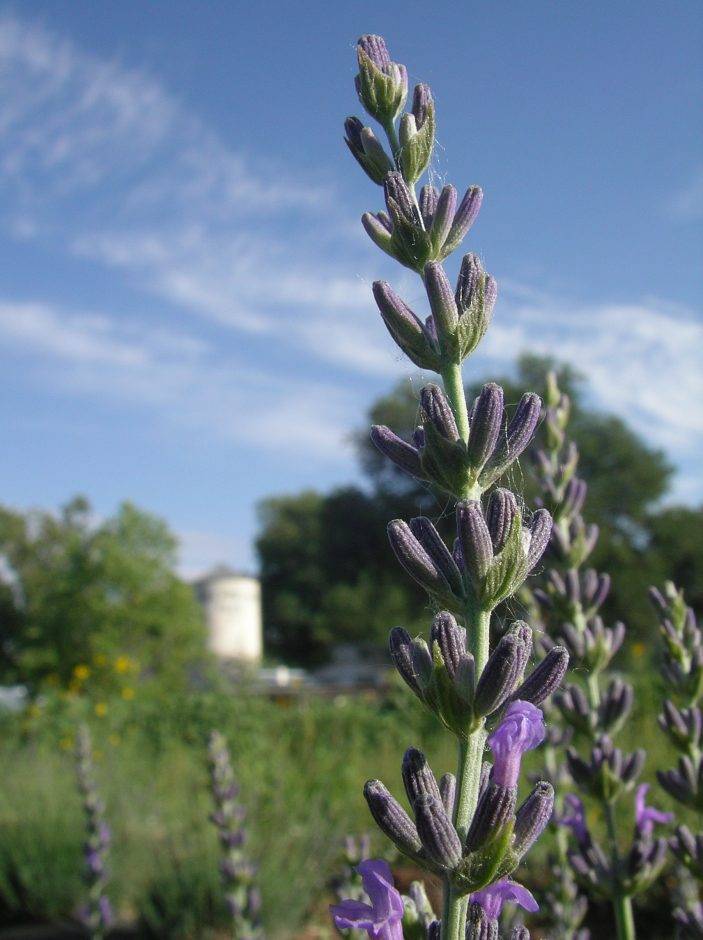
{"points": [[493, 897], [575, 818], [382, 917], [521, 729], [647, 816]]}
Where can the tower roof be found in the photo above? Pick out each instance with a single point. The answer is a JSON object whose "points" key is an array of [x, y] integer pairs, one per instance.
{"points": [[222, 572]]}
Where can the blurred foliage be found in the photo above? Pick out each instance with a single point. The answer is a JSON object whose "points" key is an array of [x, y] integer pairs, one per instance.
{"points": [[328, 573], [83, 603]]}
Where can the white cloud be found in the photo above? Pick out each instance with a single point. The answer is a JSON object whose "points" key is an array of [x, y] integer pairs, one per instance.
{"points": [[642, 360]]}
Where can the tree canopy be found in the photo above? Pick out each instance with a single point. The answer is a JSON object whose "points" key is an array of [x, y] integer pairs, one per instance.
{"points": [[74, 589]]}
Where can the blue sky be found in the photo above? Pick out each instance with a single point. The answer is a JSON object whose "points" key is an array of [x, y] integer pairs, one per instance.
{"points": [[185, 311]]}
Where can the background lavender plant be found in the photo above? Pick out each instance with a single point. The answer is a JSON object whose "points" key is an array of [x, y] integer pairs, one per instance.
{"points": [[593, 708], [97, 912], [681, 720], [465, 829], [237, 872]]}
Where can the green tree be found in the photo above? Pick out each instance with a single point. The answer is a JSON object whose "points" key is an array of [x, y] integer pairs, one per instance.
{"points": [[74, 589], [329, 575], [326, 575]]}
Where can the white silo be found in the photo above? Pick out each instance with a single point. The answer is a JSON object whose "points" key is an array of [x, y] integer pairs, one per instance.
{"points": [[232, 605]]}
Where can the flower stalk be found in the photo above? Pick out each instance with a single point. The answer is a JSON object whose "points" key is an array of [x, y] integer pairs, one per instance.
{"points": [[236, 871], [594, 707], [97, 913], [466, 830]]}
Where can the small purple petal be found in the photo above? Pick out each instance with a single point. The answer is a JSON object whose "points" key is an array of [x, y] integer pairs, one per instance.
{"points": [[521, 729], [493, 897]]}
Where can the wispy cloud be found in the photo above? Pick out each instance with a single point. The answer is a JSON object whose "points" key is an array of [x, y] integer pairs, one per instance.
{"points": [[178, 377], [686, 203]]}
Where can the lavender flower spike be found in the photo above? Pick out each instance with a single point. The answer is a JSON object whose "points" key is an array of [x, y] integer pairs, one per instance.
{"points": [[381, 919], [521, 729], [647, 816], [236, 872], [97, 913], [493, 897], [575, 819]]}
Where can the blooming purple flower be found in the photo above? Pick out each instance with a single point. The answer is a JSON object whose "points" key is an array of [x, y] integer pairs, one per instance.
{"points": [[647, 816], [493, 897], [382, 917], [521, 729]]}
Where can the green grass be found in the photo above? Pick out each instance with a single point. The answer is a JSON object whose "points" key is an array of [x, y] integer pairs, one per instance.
{"points": [[301, 768]]}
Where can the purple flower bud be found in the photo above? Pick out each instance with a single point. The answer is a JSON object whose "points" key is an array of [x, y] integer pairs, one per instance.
{"points": [[378, 231], [391, 818], [447, 790], [475, 539], [486, 419], [532, 817], [376, 49], [441, 298], [498, 677], [546, 678], [523, 632], [428, 204], [402, 454], [501, 511], [415, 559], [399, 201], [520, 932], [479, 926], [495, 808], [407, 660], [521, 729], [438, 835], [437, 410], [405, 328], [431, 541], [422, 104], [540, 530], [418, 777], [442, 217], [519, 434], [647, 816], [465, 217], [451, 640]]}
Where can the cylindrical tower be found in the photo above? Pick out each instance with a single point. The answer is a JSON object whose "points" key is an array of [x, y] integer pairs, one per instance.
{"points": [[232, 605]]}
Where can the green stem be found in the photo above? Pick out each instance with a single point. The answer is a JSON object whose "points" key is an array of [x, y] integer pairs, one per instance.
{"points": [[622, 903], [454, 387], [625, 922], [454, 917], [393, 140], [468, 777]]}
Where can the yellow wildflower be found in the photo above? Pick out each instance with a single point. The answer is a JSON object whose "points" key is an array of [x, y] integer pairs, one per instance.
{"points": [[81, 672], [638, 650], [128, 693], [123, 664], [100, 709]]}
